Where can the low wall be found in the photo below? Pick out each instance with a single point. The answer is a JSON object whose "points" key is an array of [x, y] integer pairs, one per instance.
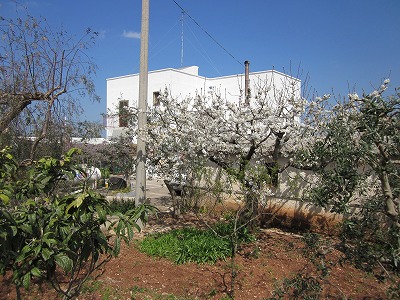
{"points": [[300, 216]]}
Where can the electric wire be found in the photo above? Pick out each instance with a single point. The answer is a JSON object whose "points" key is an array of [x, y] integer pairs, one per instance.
{"points": [[203, 53], [206, 32]]}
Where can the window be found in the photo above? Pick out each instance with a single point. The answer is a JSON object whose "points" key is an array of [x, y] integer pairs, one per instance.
{"points": [[123, 113], [156, 100]]}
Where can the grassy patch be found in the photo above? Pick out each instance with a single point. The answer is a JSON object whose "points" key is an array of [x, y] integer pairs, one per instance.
{"points": [[192, 244]]}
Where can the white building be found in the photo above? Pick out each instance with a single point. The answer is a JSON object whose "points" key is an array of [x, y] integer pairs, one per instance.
{"points": [[123, 91]]}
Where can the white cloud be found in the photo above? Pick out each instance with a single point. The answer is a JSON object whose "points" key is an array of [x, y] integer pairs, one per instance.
{"points": [[131, 34], [102, 34]]}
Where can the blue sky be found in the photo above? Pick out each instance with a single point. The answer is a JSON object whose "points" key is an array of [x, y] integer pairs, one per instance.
{"points": [[340, 44]]}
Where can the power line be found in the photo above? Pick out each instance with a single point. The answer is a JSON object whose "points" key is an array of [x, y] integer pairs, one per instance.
{"points": [[206, 32]]}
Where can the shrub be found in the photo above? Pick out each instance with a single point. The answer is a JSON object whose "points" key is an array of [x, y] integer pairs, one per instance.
{"points": [[46, 234]]}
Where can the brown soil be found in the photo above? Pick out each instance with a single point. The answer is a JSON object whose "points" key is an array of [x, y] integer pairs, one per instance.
{"points": [[260, 267]]}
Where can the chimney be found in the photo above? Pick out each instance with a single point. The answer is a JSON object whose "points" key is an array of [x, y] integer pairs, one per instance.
{"points": [[246, 82]]}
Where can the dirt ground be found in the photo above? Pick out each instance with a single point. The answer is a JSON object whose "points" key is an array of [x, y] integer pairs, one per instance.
{"points": [[260, 267]]}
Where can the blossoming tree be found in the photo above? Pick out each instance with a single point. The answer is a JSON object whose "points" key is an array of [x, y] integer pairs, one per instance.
{"points": [[243, 140]]}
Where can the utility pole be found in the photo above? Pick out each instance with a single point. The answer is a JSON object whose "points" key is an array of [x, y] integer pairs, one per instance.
{"points": [[140, 193]]}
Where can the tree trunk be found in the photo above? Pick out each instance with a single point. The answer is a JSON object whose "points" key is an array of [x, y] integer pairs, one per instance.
{"points": [[249, 215], [389, 199], [175, 200], [12, 113]]}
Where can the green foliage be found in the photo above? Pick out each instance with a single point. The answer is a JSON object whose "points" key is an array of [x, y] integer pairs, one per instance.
{"points": [[339, 160], [368, 243], [44, 231], [7, 167], [192, 245], [356, 161], [227, 229], [105, 172], [117, 155]]}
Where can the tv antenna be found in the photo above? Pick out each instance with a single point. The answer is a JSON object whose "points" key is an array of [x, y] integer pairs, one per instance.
{"points": [[182, 19]]}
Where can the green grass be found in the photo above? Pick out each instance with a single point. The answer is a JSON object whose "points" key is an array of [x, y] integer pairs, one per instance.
{"points": [[192, 245]]}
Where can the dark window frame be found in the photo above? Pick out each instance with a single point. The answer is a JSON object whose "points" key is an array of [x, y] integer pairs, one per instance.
{"points": [[123, 113]]}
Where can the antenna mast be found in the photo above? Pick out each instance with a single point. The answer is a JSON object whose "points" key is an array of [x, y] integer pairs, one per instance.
{"points": [[183, 14]]}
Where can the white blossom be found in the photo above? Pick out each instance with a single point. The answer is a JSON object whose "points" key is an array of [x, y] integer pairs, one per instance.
{"points": [[354, 96], [374, 94]]}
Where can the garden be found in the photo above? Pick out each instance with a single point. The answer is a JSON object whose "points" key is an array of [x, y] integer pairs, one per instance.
{"points": [[230, 165], [274, 265]]}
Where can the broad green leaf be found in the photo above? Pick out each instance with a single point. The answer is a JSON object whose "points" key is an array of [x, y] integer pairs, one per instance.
{"points": [[130, 231], [64, 262], [36, 272], [77, 202], [50, 242], [26, 280], [101, 212], [37, 249], [4, 198], [46, 253], [27, 228], [117, 246], [46, 180], [120, 226]]}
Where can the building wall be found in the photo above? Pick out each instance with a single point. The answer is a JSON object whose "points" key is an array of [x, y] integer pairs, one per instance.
{"points": [[182, 83]]}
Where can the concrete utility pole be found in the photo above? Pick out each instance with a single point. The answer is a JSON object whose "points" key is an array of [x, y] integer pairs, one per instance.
{"points": [[140, 193]]}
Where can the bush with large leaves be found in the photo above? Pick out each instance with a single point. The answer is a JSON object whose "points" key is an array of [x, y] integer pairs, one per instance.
{"points": [[54, 235]]}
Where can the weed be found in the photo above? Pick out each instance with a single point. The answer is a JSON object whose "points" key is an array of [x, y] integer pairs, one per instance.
{"points": [[212, 293], [136, 290], [97, 286], [300, 286], [91, 286]]}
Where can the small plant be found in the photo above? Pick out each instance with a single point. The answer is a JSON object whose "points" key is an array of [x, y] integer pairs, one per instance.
{"points": [[298, 287], [135, 290]]}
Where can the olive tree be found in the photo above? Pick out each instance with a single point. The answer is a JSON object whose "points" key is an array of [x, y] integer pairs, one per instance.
{"points": [[355, 153]]}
